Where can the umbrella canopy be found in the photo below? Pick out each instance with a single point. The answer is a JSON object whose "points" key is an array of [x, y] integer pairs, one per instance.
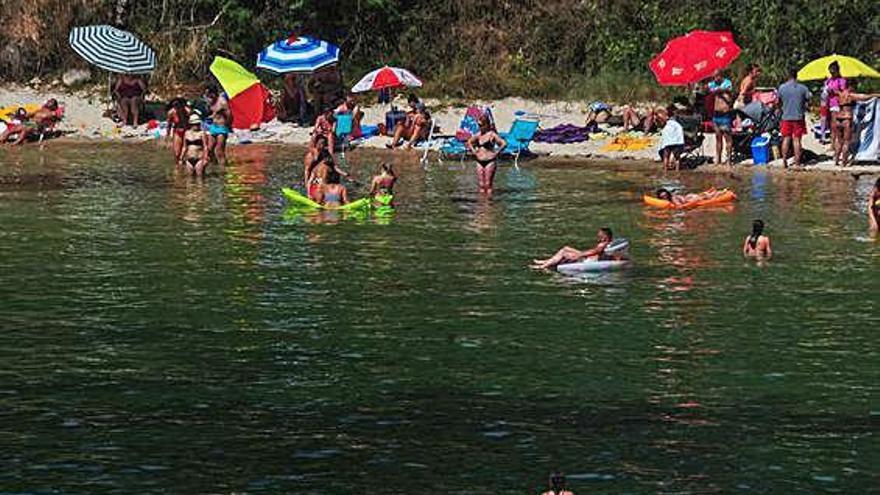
{"points": [[112, 49], [694, 57], [248, 98], [849, 67], [297, 54], [387, 77]]}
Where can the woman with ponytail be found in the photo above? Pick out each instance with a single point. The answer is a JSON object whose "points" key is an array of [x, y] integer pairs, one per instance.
{"points": [[757, 245]]}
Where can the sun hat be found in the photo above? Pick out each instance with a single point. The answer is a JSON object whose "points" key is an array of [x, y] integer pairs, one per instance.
{"points": [[195, 119]]}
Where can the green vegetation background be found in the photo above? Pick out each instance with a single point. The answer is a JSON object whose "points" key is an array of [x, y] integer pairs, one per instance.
{"points": [[463, 48]]}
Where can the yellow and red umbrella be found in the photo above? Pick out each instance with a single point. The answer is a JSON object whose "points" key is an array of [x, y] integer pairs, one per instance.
{"points": [[249, 100]]}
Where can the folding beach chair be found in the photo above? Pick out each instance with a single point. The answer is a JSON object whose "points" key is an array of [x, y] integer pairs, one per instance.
{"points": [[469, 125], [520, 136], [343, 129], [692, 151]]}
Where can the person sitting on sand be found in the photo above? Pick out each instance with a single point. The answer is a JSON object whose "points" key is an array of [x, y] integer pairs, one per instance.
{"points": [[412, 130], [350, 106], [569, 254], [651, 120], [679, 200], [333, 193], [177, 121], [25, 124], [129, 91], [195, 151], [557, 485], [18, 126], [383, 182], [597, 113], [874, 208], [757, 245]]}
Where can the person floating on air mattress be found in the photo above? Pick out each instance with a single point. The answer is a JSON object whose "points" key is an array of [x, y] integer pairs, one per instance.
{"points": [[683, 199], [569, 254]]}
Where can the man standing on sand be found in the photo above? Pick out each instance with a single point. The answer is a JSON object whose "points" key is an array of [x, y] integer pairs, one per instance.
{"points": [[795, 98]]}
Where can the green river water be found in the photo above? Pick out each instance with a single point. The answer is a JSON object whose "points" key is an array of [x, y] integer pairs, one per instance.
{"points": [[166, 335]]}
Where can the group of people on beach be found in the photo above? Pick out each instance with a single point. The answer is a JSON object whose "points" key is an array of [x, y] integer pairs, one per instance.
{"points": [[198, 136], [790, 103], [24, 125]]}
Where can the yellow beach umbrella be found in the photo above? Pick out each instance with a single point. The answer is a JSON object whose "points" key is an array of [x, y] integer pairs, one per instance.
{"points": [[849, 67]]}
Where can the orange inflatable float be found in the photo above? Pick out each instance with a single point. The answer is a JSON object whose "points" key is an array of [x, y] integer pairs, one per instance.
{"points": [[726, 196]]}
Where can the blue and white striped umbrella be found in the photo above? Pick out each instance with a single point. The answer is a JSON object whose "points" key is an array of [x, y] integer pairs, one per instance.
{"points": [[297, 54], [112, 49]]}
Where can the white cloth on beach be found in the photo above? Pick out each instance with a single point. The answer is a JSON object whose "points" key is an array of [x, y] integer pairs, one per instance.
{"points": [[868, 131], [672, 134]]}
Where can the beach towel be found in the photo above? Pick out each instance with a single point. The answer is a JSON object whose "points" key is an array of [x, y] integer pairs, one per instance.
{"points": [[626, 142], [565, 133], [868, 131], [672, 135]]}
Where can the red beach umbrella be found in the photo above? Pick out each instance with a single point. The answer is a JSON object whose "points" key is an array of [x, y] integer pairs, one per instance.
{"points": [[694, 57], [387, 77]]}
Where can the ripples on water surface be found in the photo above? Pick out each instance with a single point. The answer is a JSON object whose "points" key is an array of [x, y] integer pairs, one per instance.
{"points": [[161, 334]]}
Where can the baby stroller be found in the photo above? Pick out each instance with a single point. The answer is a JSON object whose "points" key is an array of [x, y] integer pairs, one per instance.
{"points": [[756, 121]]}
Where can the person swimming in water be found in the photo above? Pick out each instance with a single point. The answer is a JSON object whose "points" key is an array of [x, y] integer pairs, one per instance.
{"points": [[874, 207], [682, 199], [757, 245], [383, 183], [333, 193], [569, 254], [557, 485]]}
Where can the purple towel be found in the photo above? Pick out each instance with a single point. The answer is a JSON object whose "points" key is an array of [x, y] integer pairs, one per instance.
{"points": [[565, 133]]}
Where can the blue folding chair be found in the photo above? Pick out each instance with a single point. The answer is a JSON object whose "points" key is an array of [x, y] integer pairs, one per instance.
{"points": [[520, 136], [343, 128], [455, 146]]}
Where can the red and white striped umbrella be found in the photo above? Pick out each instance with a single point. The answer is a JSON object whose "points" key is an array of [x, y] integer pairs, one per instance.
{"points": [[387, 77]]}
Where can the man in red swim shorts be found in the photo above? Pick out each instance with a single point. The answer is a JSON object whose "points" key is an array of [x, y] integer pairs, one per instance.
{"points": [[794, 97]]}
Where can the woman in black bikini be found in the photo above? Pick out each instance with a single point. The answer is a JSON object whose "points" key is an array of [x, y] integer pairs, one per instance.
{"points": [[486, 146], [195, 155]]}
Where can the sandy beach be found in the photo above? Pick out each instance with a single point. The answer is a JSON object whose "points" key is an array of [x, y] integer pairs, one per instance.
{"points": [[85, 120]]}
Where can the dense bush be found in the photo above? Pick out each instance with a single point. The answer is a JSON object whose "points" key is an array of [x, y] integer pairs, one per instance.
{"points": [[462, 47]]}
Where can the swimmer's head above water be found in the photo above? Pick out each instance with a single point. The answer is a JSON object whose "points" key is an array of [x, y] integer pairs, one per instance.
{"points": [[557, 482]]}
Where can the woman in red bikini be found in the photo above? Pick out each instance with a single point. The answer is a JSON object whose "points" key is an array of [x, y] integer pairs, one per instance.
{"points": [[177, 120]]}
